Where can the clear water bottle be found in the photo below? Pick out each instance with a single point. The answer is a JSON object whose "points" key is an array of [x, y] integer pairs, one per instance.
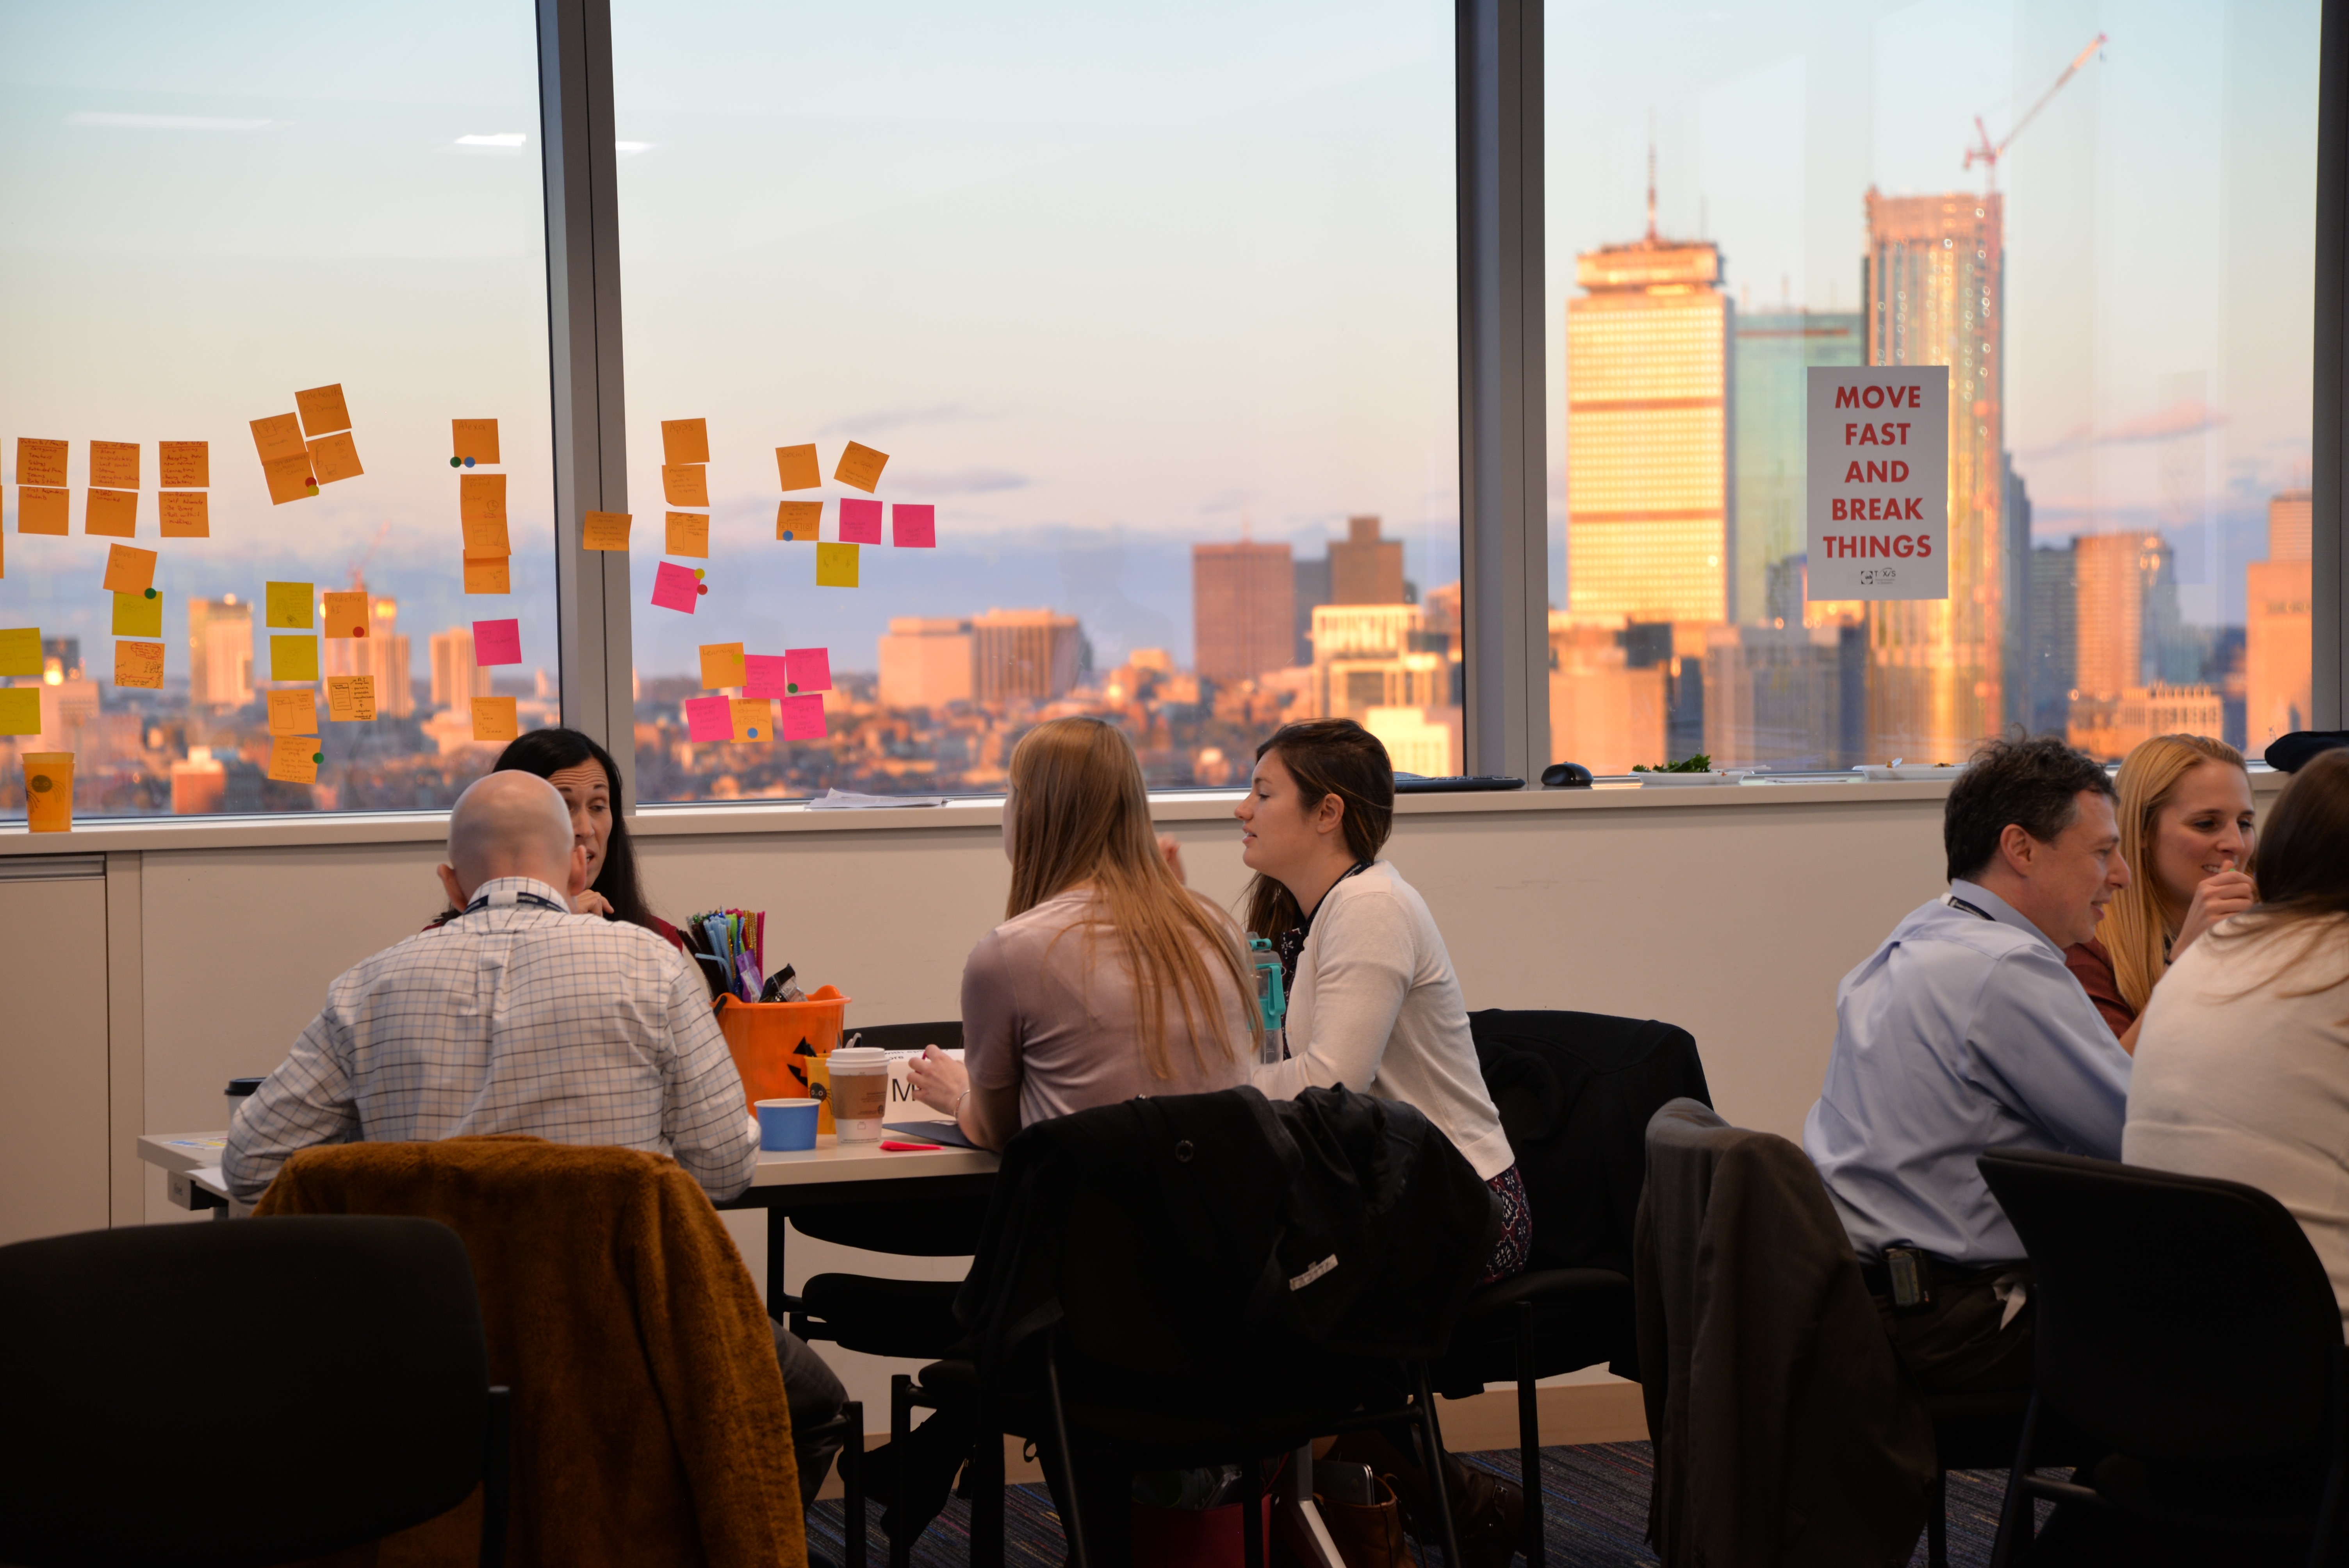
{"points": [[1271, 997]]}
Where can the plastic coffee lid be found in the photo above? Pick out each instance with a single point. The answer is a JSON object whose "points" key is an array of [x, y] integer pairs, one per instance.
{"points": [[240, 1086], [858, 1059]]}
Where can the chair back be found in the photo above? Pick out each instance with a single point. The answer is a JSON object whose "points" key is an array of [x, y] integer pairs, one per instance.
{"points": [[946, 1036], [2180, 1318], [335, 1366]]}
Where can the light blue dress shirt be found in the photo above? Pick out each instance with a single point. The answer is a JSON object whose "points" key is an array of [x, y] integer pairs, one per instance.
{"points": [[1959, 1034]]}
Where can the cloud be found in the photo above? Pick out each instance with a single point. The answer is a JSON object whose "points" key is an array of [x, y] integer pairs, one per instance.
{"points": [[2186, 417], [958, 481], [858, 425]]}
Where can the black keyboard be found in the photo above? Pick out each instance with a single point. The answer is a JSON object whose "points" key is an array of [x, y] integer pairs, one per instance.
{"points": [[1411, 784]]}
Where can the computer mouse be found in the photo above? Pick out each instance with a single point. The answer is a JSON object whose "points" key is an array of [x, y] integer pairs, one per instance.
{"points": [[1566, 776]]}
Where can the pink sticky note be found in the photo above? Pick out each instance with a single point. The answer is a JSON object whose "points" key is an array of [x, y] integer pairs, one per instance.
{"points": [[763, 674], [803, 717], [709, 718], [914, 527], [497, 642], [675, 588], [860, 521], [810, 668]]}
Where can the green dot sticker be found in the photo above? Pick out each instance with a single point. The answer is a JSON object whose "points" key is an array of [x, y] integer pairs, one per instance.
{"points": [[41, 785], [792, 687], [151, 593], [318, 757], [456, 462]]}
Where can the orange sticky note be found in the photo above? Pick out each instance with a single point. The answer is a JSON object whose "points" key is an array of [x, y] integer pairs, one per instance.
{"points": [[861, 466], [139, 665], [493, 718], [186, 465], [798, 467], [49, 791], [350, 699], [294, 759], [111, 513], [835, 565], [114, 464], [128, 569], [293, 712], [41, 509], [279, 436], [754, 718], [685, 441], [289, 477], [40, 462], [345, 614], [488, 574], [685, 486], [688, 534], [323, 410], [799, 520], [486, 538], [474, 439], [292, 658], [334, 459], [721, 664], [604, 530], [20, 710], [186, 514], [481, 497]]}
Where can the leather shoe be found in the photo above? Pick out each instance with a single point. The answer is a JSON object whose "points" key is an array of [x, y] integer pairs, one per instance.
{"points": [[1487, 1512]]}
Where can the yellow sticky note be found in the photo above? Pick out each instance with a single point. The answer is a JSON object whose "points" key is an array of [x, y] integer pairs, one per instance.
{"points": [[20, 650], [323, 410], [798, 467], [721, 663], [288, 478], [279, 437], [486, 537], [350, 699], [186, 514], [754, 718], [114, 464], [684, 441], [20, 710], [48, 791], [294, 759], [685, 486], [40, 462], [139, 665], [481, 497], [861, 466], [345, 614], [489, 574], [835, 565], [138, 615], [128, 569], [292, 658], [293, 712], [186, 465], [287, 604], [41, 509], [111, 513], [688, 534], [334, 459], [493, 718], [474, 439], [604, 530], [798, 520]]}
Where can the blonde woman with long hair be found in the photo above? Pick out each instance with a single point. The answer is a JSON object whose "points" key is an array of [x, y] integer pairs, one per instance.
{"points": [[1108, 978], [2186, 826]]}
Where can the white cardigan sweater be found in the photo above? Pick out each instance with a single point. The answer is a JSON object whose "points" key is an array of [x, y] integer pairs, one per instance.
{"points": [[1376, 1008]]}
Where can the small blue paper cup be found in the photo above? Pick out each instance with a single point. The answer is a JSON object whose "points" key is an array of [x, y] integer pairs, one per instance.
{"points": [[787, 1124]]}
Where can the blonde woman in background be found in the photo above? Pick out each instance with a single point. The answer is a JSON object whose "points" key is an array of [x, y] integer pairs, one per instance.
{"points": [[2186, 834]]}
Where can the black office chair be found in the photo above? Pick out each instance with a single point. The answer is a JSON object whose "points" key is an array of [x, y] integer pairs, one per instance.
{"points": [[2216, 1389], [340, 1361]]}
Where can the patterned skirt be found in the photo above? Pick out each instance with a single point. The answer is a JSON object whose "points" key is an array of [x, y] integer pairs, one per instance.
{"points": [[1514, 1250]]}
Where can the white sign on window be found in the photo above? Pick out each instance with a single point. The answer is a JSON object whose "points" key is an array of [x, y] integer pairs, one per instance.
{"points": [[1878, 502]]}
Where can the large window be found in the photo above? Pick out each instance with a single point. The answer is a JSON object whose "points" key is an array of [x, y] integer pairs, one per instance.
{"points": [[1153, 307], [211, 211], [2100, 218]]}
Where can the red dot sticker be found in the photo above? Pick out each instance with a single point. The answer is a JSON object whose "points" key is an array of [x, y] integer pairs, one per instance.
{"points": [[358, 631], [701, 587]]}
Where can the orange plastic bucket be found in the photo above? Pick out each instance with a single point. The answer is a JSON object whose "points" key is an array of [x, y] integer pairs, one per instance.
{"points": [[777, 1047]]}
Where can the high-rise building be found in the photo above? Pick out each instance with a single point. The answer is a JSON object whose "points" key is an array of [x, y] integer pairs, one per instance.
{"points": [[2016, 594], [1244, 608], [220, 652], [1935, 286], [1365, 568], [2117, 578], [1603, 713], [457, 680], [382, 654], [926, 662], [2278, 653], [1647, 349], [1025, 654], [2109, 728], [1422, 740], [1794, 695], [1773, 352], [2052, 668], [1376, 655], [1312, 579]]}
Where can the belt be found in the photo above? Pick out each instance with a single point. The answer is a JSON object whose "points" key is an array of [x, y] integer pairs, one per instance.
{"points": [[1879, 1278]]}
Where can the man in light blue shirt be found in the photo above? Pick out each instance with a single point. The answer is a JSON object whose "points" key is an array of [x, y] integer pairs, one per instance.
{"points": [[1964, 1031]]}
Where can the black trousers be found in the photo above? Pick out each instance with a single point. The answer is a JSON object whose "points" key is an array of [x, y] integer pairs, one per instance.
{"points": [[1958, 1346], [818, 1427]]}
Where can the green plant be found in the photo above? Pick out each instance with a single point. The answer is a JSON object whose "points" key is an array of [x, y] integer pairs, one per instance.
{"points": [[1700, 763]]}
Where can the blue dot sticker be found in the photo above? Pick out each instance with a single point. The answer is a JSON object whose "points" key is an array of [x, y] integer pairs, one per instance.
{"points": [[788, 534], [469, 462], [754, 733]]}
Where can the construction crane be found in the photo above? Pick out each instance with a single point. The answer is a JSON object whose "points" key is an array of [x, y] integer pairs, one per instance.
{"points": [[1984, 151], [360, 563]]}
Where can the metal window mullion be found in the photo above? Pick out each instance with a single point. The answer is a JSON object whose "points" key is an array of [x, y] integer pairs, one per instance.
{"points": [[2329, 563]]}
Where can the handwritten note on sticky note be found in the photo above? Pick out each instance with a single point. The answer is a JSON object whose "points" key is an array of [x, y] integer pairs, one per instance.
{"points": [[811, 669], [685, 441], [489, 574], [705, 719], [350, 699], [114, 464], [48, 791], [114, 513], [685, 486], [481, 497], [799, 520], [721, 664], [138, 615], [604, 530], [41, 509], [186, 465], [186, 514], [279, 437], [497, 642], [494, 719], [765, 675], [914, 527], [321, 410], [139, 665], [675, 588], [293, 712], [835, 565], [20, 710], [860, 521], [288, 603], [333, 459], [294, 759], [754, 718], [688, 534], [20, 650], [291, 658], [40, 462], [474, 439], [288, 478], [803, 718], [798, 467], [487, 536], [128, 569], [345, 614], [860, 466]]}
